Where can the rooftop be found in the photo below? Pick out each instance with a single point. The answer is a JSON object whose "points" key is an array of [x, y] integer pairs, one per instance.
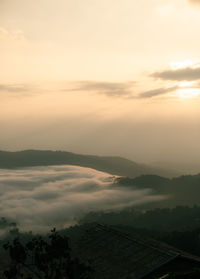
{"points": [[118, 254]]}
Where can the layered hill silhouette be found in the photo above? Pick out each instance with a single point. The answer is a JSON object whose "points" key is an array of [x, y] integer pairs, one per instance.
{"points": [[110, 164]]}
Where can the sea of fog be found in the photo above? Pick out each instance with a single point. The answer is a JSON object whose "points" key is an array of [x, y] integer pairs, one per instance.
{"points": [[40, 198]]}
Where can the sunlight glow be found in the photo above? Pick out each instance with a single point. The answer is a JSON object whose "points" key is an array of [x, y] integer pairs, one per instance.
{"points": [[182, 64], [188, 93], [186, 83]]}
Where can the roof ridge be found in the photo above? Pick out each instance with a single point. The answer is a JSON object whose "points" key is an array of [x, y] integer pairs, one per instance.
{"points": [[125, 235], [172, 250]]}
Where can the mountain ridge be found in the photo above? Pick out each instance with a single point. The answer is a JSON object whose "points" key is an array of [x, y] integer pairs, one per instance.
{"points": [[114, 165]]}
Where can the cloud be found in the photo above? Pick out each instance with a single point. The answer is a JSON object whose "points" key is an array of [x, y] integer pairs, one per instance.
{"points": [[107, 88], [157, 92], [180, 74], [18, 90], [42, 197], [12, 88]]}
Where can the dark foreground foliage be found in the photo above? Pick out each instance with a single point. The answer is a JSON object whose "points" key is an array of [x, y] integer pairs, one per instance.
{"points": [[44, 259]]}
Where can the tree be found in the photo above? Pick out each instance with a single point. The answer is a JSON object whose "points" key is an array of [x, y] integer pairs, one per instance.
{"points": [[44, 259]]}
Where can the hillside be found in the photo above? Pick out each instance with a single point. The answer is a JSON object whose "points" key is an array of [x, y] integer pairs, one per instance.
{"points": [[113, 165], [183, 190]]}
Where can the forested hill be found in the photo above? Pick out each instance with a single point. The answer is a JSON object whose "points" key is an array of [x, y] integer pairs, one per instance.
{"points": [[113, 165], [183, 190]]}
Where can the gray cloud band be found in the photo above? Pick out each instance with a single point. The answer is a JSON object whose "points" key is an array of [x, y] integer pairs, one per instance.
{"points": [[185, 74], [12, 88], [119, 89], [157, 92], [107, 88]]}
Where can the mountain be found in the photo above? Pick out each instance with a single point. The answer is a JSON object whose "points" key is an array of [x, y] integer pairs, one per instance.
{"points": [[183, 190], [113, 165]]}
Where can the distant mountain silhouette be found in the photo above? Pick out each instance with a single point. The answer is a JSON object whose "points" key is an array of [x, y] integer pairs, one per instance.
{"points": [[113, 165]]}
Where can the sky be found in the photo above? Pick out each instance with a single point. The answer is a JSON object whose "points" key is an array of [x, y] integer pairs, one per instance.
{"points": [[109, 77]]}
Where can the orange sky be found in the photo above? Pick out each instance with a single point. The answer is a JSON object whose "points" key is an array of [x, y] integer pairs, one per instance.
{"points": [[106, 77]]}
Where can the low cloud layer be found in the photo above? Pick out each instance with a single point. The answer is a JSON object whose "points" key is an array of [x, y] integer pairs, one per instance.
{"points": [[181, 74], [157, 92], [43, 197], [123, 89], [13, 88], [107, 88]]}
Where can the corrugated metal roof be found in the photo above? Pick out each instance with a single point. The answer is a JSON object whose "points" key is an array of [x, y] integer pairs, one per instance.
{"points": [[114, 254]]}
